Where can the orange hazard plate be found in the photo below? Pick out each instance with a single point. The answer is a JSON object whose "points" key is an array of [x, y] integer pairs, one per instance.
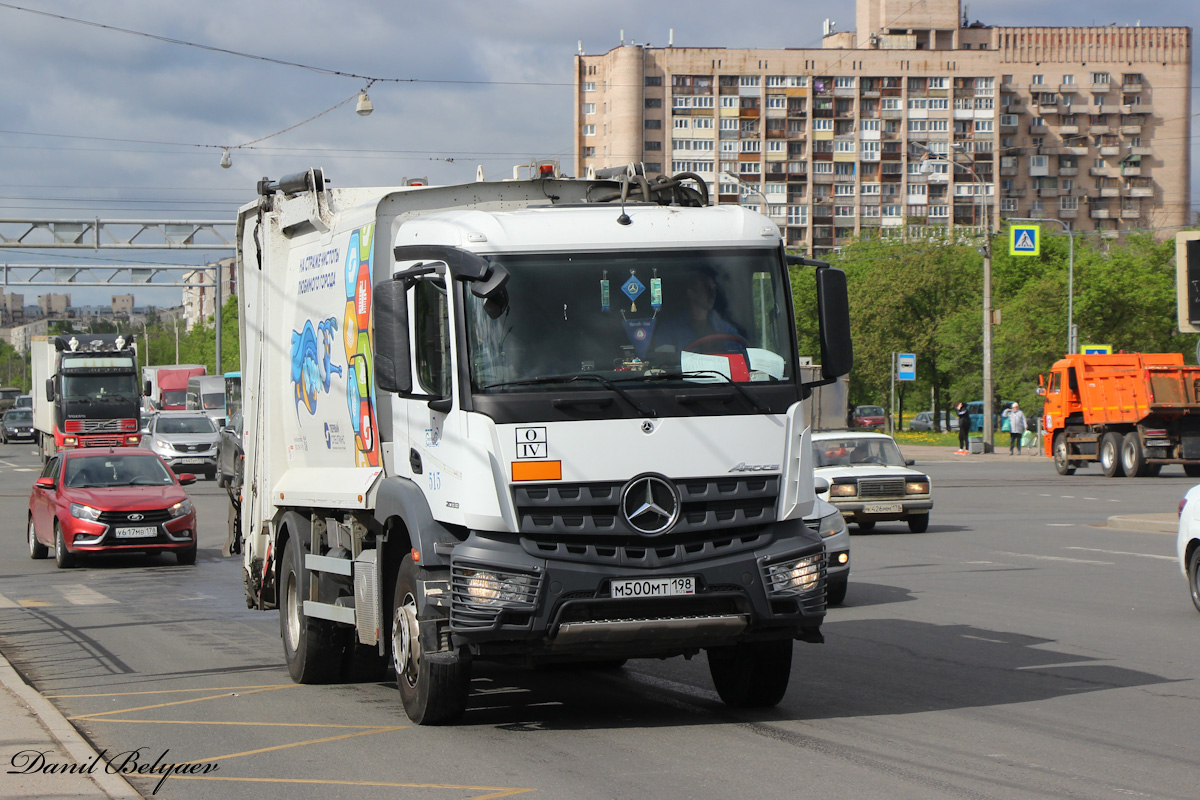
{"points": [[537, 470]]}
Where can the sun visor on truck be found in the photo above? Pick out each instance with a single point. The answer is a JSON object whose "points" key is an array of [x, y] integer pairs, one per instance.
{"points": [[485, 278]]}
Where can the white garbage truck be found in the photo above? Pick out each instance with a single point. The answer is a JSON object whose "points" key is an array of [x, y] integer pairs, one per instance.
{"points": [[538, 420]]}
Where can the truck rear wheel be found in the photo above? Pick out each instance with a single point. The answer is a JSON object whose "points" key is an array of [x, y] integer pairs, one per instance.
{"points": [[1132, 460], [1192, 470], [752, 674], [1062, 463], [433, 689], [312, 647], [1110, 455]]}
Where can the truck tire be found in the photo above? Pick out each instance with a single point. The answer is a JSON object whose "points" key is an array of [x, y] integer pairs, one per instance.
{"points": [[751, 674], [1193, 576], [1192, 470], [1062, 461], [1110, 455], [311, 647], [432, 690], [1132, 459]]}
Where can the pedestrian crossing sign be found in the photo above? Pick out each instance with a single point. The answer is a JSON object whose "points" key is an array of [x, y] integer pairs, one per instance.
{"points": [[1024, 240]]}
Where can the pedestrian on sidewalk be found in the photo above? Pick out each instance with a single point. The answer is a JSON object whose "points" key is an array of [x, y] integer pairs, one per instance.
{"points": [[964, 427], [1016, 426]]}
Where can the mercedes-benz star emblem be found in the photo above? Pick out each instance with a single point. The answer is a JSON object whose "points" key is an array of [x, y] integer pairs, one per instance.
{"points": [[650, 504]]}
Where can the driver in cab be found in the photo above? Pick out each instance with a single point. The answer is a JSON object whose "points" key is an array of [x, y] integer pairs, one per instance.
{"points": [[700, 328]]}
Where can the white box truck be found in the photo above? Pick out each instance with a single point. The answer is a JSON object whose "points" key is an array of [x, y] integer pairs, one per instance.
{"points": [[536, 420]]}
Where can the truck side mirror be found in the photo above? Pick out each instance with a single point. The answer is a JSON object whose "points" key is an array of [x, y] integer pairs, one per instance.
{"points": [[50, 389], [147, 390], [833, 314], [393, 365]]}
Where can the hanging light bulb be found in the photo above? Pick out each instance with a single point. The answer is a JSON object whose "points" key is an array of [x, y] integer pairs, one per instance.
{"points": [[364, 107], [226, 161]]}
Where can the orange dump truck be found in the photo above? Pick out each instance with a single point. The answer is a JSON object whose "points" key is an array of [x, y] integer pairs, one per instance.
{"points": [[1132, 412]]}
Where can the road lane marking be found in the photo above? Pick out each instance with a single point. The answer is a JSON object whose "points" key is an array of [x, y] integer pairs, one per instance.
{"points": [[494, 791], [1123, 553], [96, 716], [1059, 558], [6, 603], [1060, 524], [80, 595], [177, 691], [31, 603]]}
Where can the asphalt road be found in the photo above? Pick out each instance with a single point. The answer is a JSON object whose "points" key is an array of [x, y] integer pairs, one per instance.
{"points": [[1016, 650]]}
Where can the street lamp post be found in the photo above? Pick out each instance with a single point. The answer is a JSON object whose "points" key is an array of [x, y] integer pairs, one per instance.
{"points": [[1072, 335], [986, 252], [175, 327]]}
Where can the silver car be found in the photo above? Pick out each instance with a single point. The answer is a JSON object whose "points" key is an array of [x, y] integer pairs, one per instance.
{"points": [[186, 440], [827, 520]]}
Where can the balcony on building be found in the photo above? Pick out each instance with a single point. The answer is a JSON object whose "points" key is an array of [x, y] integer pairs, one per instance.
{"points": [[1101, 213], [1019, 192], [1064, 88], [1110, 191], [1068, 130], [1102, 172], [1131, 82], [1068, 172], [1038, 130], [1068, 213], [1130, 213]]}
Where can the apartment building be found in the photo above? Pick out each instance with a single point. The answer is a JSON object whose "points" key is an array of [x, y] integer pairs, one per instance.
{"points": [[919, 122]]}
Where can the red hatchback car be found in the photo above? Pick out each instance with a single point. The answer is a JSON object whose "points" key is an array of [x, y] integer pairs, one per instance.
{"points": [[116, 500]]}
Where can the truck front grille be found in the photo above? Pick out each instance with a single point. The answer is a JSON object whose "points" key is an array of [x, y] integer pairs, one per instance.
{"points": [[595, 508]]}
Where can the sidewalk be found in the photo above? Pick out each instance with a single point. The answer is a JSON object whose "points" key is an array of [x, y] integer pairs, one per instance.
{"points": [[36, 735]]}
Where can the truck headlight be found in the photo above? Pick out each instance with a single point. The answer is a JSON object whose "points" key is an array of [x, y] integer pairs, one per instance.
{"points": [[843, 490], [80, 511], [794, 576], [495, 587]]}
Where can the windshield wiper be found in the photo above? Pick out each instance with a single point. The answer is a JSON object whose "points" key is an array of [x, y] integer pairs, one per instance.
{"points": [[704, 372], [587, 376]]}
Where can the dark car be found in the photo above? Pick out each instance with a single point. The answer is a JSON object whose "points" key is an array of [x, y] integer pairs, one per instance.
{"points": [[17, 426], [924, 422], [869, 417], [116, 500], [230, 454]]}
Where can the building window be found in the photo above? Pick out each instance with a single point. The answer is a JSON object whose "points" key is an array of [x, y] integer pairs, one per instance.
{"points": [[797, 215], [1068, 80], [731, 101], [776, 102], [1068, 203], [823, 167], [589, 108], [843, 82], [748, 80], [939, 103], [822, 125], [589, 152], [653, 102], [702, 123], [653, 124], [938, 83], [589, 130], [1036, 80], [654, 80], [651, 145], [589, 86], [843, 146], [1100, 78], [1008, 205]]}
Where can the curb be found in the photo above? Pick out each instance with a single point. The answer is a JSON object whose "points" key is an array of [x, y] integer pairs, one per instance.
{"points": [[78, 748], [1145, 523]]}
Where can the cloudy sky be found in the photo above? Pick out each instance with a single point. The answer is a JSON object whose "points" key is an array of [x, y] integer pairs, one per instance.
{"points": [[120, 108]]}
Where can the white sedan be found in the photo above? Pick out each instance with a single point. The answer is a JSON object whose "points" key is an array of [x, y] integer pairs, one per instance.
{"points": [[869, 481], [1188, 541]]}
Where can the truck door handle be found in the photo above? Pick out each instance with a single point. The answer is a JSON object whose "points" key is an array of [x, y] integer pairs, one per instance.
{"points": [[414, 461]]}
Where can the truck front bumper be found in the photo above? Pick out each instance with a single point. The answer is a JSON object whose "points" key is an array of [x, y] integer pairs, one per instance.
{"points": [[524, 597]]}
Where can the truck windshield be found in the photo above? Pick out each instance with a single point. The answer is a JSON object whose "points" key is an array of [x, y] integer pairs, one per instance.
{"points": [[101, 388], [174, 397], [698, 316]]}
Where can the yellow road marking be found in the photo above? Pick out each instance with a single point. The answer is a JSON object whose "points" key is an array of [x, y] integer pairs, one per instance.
{"points": [[176, 703], [496, 791], [33, 603], [261, 724], [297, 744], [177, 691]]}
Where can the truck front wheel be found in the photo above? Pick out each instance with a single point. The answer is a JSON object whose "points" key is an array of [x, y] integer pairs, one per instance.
{"points": [[1132, 460], [1062, 461], [311, 647], [1110, 455], [752, 674], [433, 685]]}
